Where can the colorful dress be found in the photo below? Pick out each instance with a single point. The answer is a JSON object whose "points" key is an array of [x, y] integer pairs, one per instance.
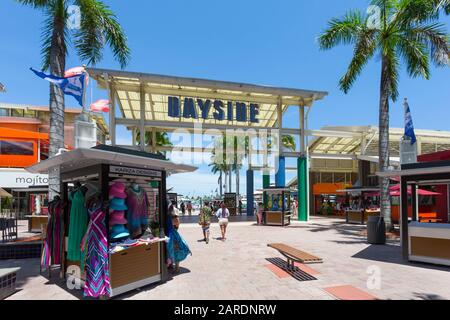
{"points": [[78, 223], [177, 248], [95, 242], [52, 243], [137, 213]]}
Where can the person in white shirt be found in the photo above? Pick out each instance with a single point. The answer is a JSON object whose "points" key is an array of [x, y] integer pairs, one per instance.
{"points": [[223, 214]]}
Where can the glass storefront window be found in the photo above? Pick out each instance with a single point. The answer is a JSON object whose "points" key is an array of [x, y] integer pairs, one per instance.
{"points": [[17, 112], [4, 112], [29, 114], [18, 148]]}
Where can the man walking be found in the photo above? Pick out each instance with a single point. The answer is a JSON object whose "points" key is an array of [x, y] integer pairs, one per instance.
{"points": [[204, 220]]}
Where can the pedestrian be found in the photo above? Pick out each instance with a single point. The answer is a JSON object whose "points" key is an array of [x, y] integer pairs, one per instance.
{"points": [[259, 214], [189, 208], [240, 207], [177, 248], [183, 208], [223, 214], [204, 220]]}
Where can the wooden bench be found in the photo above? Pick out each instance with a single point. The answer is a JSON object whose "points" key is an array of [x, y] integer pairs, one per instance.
{"points": [[294, 255]]}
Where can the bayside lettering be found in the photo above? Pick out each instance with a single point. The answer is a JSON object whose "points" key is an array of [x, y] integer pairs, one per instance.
{"points": [[200, 108], [185, 310]]}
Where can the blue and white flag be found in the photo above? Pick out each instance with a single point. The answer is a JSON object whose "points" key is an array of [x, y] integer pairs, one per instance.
{"points": [[409, 126], [72, 86]]}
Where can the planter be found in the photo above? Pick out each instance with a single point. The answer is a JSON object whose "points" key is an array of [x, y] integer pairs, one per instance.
{"points": [[376, 230]]}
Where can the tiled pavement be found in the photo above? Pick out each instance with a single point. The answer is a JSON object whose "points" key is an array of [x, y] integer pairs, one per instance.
{"points": [[237, 268]]}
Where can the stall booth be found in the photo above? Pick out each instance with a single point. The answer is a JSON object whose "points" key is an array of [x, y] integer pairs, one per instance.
{"points": [[422, 241], [230, 200], [129, 187], [360, 204], [277, 206]]}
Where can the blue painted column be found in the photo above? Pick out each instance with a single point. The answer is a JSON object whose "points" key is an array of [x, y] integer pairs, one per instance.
{"points": [[280, 176], [250, 192]]}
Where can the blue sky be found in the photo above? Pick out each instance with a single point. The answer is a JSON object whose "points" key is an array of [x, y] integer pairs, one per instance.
{"points": [[263, 42]]}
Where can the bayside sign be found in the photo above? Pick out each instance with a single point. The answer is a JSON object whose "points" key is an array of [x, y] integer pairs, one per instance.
{"points": [[218, 109]]}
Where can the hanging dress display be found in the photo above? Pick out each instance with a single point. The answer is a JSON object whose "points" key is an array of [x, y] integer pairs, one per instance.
{"points": [[137, 214], [95, 243], [78, 222], [52, 244]]}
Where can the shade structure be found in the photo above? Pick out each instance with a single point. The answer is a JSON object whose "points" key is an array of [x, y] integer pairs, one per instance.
{"points": [[4, 194], [395, 192]]}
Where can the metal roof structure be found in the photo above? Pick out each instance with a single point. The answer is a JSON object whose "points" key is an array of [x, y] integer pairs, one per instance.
{"points": [[364, 142], [129, 86]]}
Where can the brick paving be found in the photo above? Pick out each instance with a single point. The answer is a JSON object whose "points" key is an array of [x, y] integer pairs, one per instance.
{"points": [[237, 268]]}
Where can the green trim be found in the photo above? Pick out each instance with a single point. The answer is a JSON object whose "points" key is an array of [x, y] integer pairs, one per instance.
{"points": [[302, 187]]}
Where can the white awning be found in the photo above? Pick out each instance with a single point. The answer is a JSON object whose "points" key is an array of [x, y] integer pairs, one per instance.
{"points": [[80, 158]]}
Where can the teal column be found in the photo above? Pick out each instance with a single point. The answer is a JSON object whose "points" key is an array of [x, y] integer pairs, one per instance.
{"points": [[266, 184], [302, 187]]}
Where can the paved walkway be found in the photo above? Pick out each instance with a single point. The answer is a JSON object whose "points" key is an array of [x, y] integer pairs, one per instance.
{"points": [[238, 269]]}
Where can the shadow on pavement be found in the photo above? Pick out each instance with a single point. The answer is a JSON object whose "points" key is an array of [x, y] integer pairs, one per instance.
{"points": [[392, 254]]}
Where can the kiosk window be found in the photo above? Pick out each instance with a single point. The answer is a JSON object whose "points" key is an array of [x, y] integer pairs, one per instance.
{"points": [[16, 148]]}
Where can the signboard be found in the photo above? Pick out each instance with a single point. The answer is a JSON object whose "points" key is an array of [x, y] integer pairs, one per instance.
{"points": [[230, 202], [134, 171], [22, 179], [213, 109]]}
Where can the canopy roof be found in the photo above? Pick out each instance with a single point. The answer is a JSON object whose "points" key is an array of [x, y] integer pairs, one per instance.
{"points": [[80, 158], [158, 88]]}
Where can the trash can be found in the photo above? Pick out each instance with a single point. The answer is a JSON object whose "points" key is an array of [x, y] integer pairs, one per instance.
{"points": [[376, 230]]}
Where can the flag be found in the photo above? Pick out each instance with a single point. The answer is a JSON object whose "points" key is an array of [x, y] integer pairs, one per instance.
{"points": [[409, 126], [72, 86]]}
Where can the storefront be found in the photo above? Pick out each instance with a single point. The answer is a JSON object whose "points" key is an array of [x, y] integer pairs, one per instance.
{"points": [[113, 203], [422, 241]]}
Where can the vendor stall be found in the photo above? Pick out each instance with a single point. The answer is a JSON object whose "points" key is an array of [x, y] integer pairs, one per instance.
{"points": [[361, 204], [277, 207], [99, 227], [422, 241]]}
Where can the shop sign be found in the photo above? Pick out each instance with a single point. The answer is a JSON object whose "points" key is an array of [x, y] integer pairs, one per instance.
{"points": [[18, 179], [218, 109], [134, 171]]}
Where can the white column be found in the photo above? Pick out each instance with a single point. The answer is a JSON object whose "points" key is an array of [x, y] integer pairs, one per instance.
{"points": [[142, 120]]}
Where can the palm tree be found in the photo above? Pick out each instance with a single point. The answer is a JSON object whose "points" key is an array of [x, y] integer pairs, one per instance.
{"points": [[98, 27], [408, 31], [162, 140]]}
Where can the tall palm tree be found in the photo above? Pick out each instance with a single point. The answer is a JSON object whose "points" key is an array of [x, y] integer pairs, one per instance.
{"points": [[98, 27], [408, 31]]}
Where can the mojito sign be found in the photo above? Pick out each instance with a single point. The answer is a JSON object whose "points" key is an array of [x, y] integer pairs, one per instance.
{"points": [[190, 108]]}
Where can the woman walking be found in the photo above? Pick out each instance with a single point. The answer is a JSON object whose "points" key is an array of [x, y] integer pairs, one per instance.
{"points": [[204, 220], [223, 214], [259, 214], [177, 248]]}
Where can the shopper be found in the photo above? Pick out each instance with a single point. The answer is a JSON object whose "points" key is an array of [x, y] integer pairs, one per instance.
{"points": [[259, 215], [183, 208], [223, 214], [189, 208], [177, 248], [204, 220]]}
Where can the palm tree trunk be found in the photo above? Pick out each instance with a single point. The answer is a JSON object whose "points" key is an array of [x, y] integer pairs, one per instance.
{"points": [[220, 184], [383, 141], [225, 181], [56, 135], [230, 174]]}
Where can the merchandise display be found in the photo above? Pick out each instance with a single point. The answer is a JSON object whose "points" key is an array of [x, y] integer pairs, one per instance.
{"points": [[110, 204], [277, 206]]}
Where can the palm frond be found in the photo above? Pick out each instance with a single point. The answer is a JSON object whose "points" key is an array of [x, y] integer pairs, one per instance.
{"points": [[415, 55], [434, 37], [364, 50], [37, 4], [342, 31], [99, 26]]}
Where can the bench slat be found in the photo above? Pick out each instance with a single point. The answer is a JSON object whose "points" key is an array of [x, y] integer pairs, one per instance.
{"points": [[296, 254]]}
